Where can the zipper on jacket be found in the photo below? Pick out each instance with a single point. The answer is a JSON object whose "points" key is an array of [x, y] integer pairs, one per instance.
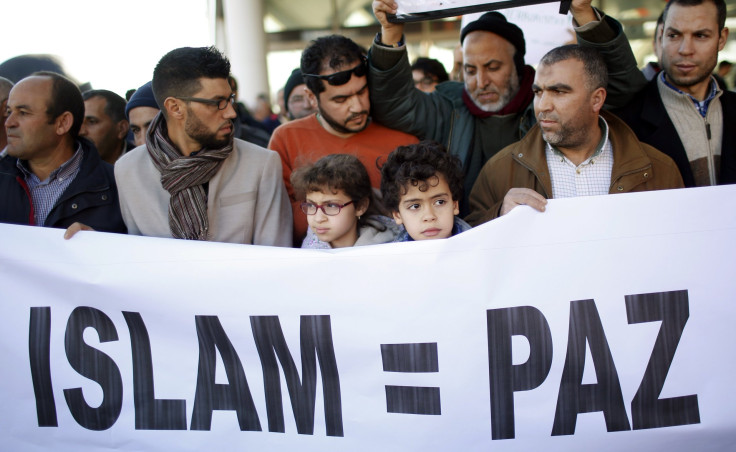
{"points": [[711, 157], [449, 134], [535, 175]]}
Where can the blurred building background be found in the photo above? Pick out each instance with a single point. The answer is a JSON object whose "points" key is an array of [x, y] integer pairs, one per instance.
{"points": [[289, 25]]}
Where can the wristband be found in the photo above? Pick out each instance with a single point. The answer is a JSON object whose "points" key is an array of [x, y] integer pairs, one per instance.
{"points": [[379, 42]]}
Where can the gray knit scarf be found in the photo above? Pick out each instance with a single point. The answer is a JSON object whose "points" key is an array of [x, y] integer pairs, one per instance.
{"points": [[184, 177]]}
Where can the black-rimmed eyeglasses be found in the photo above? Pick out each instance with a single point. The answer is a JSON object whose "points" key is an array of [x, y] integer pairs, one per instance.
{"points": [[342, 77], [221, 104], [330, 208]]}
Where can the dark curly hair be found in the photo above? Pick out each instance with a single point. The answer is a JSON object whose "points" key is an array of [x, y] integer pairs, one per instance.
{"points": [[334, 52], [432, 68], [419, 165], [338, 172]]}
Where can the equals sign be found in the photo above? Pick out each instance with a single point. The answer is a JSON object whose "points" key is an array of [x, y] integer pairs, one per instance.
{"points": [[411, 358]]}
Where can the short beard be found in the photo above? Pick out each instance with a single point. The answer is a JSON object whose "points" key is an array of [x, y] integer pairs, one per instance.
{"points": [[198, 132], [340, 128], [512, 88], [568, 136]]}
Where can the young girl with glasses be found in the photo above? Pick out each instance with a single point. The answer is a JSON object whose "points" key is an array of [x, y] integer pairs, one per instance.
{"points": [[340, 206]]}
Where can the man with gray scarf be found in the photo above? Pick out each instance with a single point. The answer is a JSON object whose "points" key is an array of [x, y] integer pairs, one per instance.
{"points": [[192, 180]]}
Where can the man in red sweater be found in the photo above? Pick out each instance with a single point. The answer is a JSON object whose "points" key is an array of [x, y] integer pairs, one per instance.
{"points": [[334, 69]]}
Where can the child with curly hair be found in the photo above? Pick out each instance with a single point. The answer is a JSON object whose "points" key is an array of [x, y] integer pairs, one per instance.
{"points": [[341, 208], [421, 186]]}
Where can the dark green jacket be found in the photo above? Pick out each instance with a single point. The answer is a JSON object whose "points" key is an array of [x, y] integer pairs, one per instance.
{"points": [[442, 116]]}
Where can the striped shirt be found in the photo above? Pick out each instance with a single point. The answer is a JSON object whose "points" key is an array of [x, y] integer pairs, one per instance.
{"points": [[45, 193], [592, 177]]}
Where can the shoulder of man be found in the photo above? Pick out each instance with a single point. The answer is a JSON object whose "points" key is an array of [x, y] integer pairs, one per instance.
{"points": [[92, 163], [388, 135], [248, 149], [8, 164], [630, 112], [728, 100], [452, 91]]}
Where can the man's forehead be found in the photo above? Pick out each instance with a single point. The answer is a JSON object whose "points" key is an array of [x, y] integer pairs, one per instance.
{"points": [[142, 113], [559, 72], [34, 88], [97, 103], [213, 87], [298, 90], [487, 42], [692, 16]]}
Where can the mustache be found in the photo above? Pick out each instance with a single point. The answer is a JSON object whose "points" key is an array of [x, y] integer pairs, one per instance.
{"points": [[548, 116], [487, 89], [356, 115]]}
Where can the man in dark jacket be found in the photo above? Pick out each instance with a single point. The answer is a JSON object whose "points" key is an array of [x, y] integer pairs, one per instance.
{"points": [[682, 112], [493, 108], [52, 177]]}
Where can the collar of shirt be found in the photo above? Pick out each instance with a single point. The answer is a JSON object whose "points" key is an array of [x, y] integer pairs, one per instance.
{"points": [[702, 106], [66, 170], [599, 149]]}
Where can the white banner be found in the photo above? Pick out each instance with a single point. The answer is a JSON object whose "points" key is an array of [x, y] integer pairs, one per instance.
{"points": [[605, 323], [418, 10]]}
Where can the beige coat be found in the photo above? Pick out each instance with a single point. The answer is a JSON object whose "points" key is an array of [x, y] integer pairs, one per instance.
{"points": [[246, 201]]}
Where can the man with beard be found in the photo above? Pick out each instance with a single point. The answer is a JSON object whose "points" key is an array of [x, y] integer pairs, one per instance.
{"points": [[575, 149], [493, 107], [192, 180], [682, 111], [335, 71]]}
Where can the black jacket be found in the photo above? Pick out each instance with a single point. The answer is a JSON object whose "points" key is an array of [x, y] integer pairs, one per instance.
{"points": [[91, 198], [648, 118]]}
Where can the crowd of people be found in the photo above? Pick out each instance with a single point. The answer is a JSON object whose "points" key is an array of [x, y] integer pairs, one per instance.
{"points": [[370, 148]]}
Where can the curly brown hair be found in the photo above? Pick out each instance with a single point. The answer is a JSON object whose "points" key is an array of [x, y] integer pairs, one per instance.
{"points": [[337, 172], [418, 165]]}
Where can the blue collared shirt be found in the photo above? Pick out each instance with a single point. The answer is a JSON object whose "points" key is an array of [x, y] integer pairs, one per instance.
{"points": [[702, 106], [45, 193]]}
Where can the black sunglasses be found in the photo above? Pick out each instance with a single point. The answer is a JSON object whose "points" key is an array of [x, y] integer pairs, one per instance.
{"points": [[341, 78]]}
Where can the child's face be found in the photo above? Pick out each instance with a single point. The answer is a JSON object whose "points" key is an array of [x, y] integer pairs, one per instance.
{"points": [[339, 230], [428, 214]]}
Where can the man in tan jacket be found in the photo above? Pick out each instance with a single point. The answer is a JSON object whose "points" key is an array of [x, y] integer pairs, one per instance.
{"points": [[574, 150]]}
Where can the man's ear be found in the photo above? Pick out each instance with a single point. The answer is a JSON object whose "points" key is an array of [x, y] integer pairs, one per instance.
{"points": [[64, 123], [122, 128], [311, 97], [174, 108], [455, 208], [597, 99], [723, 38], [397, 217]]}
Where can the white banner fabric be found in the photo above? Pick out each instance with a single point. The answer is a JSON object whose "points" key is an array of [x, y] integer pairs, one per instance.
{"points": [[432, 9], [604, 323]]}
